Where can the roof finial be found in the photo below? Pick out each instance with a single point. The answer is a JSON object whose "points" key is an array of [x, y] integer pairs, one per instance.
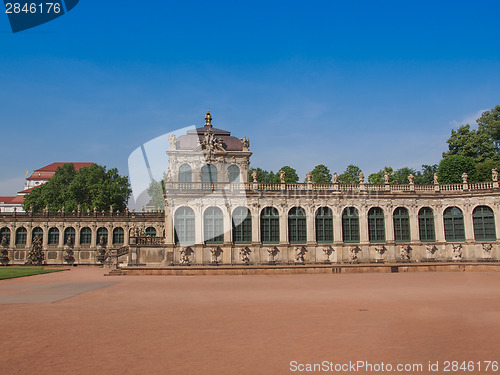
{"points": [[208, 119]]}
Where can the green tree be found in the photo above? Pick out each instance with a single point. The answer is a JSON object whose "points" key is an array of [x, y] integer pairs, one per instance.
{"points": [[483, 169], [263, 176], [401, 175], [291, 176], [379, 177], [489, 122], [156, 190], [452, 167], [477, 143], [320, 175], [88, 187], [350, 175], [426, 175]]}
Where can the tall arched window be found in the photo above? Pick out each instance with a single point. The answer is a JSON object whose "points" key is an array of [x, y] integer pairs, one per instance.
{"points": [[269, 225], [209, 173], [234, 173], [104, 233], [21, 235], [350, 224], [454, 224], [150, 232], [401, 225], [242, 225], [37, 232], [213, 225], [297, 232], [118, 236], [185, 174], [426, 225], [376, 225], [184, 229], [69, 233], [85, 236], [484, 224], [53, 238], [5, 232], [324, 225]]}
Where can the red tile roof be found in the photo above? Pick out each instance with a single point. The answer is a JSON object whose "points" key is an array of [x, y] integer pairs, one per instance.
{"points": [[48, 171], [6, 199]]}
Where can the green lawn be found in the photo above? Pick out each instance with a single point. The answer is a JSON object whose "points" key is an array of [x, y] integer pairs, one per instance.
{"points": [[9, 273]]}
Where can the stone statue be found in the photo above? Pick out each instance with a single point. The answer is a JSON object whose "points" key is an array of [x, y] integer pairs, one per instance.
{"points": [[411, 178], [430, 250], [272, 252], [211, 143], [436, 182], [299, 254], [246, 143], [101, 241], [4, 253], [215, 252], [361, 178], [36, 256], [379, 253], [457, 252], [327, 250], [353, 254], [309, 177], [494, 175], [4, 241], [386, 177], [172, 140], [185, 252], [487, 247], [254, 175], [245, 255], [69, 241], [465, 176], [335, 178], [282, 177], [168, 178], [405, 253]]}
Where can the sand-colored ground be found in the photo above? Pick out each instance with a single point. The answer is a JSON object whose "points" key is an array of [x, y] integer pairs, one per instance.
{"points": [[247, 324]]}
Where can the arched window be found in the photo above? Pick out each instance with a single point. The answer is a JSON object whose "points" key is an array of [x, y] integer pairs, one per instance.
{"points": [[184, 228], [376, 225], [118, 236], [150, 232], [5, 232], [102, 232], [85, 236], [234, 173], [213, 225], [454, 224], [324, 225], [242, 225], [401, 225], [484, 224], [209, 173], [69, 233], [185, 174], [37, 232], [426, 225], [270, 225], [21, 235], [53, 236], [350, 224], [297, 232]]}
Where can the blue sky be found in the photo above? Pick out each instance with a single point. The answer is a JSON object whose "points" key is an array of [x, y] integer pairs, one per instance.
{"points": [[371, 83]]}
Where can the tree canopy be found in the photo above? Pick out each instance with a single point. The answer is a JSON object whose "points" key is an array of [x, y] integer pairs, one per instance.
{"points": [[452, 167], [476, 143], [350, 175], [320, 175], [155, 191], [88, 187], [269, 177]]}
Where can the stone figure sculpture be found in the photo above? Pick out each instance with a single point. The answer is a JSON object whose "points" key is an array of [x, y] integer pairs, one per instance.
{"points": [[172, 140], [411, 178], [465, 176], [254, 175], [386, 177], [430, 250], [436, 179], [185, 252], [361, 178], [327, 250], [494, 175], [299, 254], [245, 255], [487, 247], [379, 253], [309, 177], [457, 254], [215, 252], [405, 253], [335, 178], [353, 254], [245, 142], [272, 252], [282, 177]]}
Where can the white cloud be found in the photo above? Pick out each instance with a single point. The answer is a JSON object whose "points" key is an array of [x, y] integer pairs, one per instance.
{"points": [[468, 119]]}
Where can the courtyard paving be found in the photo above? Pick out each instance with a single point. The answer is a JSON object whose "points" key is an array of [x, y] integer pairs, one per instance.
{"points": [[82, 322]]}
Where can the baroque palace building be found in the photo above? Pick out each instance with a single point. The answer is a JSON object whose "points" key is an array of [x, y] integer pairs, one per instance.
{"points": [[214, 214]]}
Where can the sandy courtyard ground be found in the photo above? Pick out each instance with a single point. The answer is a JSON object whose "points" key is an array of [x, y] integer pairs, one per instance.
{"points": [[246, 324]]}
